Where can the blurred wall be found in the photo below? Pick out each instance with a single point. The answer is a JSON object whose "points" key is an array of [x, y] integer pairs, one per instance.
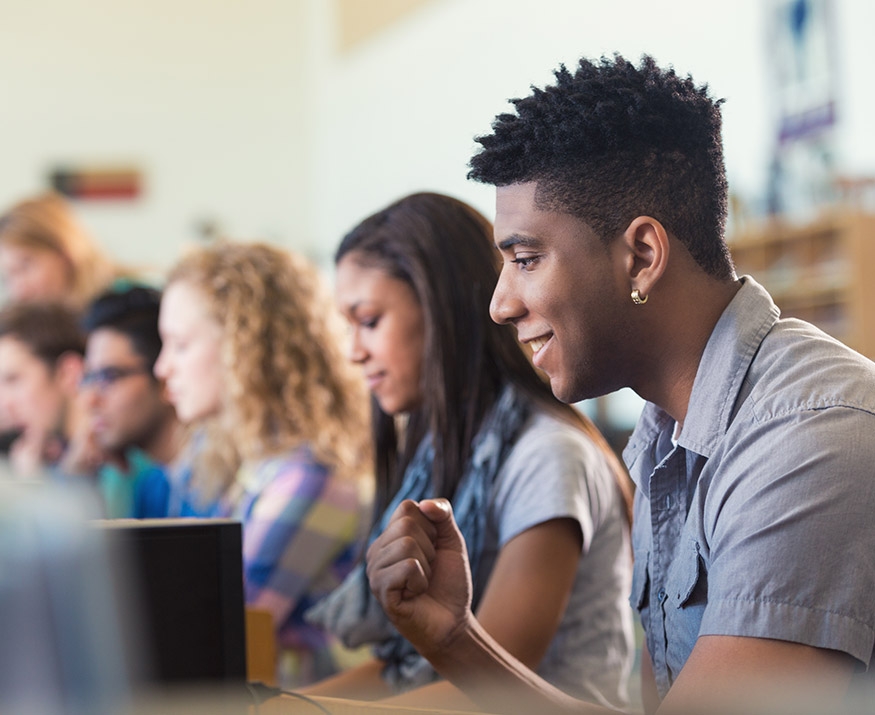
{"points": [[398, 113], [256, 117], [205, 96], [403, 110]]}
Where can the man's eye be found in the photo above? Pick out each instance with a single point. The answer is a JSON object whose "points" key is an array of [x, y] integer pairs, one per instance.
{"points": [[524, 261]]}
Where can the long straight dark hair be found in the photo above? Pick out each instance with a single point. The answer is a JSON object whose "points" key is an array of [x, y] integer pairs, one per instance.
{"points": [[442, 248]]}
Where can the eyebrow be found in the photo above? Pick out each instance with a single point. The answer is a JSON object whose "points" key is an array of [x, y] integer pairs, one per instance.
{"points": [[517, 239], [355, 307]]}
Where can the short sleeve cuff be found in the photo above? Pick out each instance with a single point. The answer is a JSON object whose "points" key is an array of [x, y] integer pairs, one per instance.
{"points": [[789, 622]]}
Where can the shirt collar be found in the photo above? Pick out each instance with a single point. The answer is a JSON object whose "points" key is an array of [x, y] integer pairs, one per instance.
{"points": [[728, 354]]}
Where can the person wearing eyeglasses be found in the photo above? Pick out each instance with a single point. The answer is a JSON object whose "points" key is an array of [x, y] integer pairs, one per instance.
{"points": [[41, 359], [132, 436]]}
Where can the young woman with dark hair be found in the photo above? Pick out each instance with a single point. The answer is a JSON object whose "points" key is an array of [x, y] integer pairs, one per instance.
{"points": [[459, 412]]}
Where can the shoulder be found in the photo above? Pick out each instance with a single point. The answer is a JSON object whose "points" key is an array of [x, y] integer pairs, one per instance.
{"points": [[807, 410], [800, 441], [298, 476], [296, 462], [554, 471], [806, 407], [798, 367], [547, 442]]}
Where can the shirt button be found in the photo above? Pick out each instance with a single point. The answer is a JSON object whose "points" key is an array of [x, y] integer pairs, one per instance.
{"points": [[661, 595]]}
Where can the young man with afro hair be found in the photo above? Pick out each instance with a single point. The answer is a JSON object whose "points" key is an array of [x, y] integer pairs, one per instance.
{"points": [[753, 533]]}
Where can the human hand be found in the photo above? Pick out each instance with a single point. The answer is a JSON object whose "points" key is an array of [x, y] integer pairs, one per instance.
{"points": [[418, 571], [83, 456], [28, 453]]}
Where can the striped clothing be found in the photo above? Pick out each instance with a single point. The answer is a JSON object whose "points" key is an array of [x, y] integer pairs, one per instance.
{"points": [[301, 536]]}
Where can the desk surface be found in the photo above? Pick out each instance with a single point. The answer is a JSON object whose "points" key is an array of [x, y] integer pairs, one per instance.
{"points": [[291, 705], [212, 701]]}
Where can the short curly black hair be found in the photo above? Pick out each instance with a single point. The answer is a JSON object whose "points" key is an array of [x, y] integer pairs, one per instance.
{"points": [[612, 142], [131, 310]]}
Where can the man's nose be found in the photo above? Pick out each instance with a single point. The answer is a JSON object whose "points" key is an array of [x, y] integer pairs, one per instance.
{"points": [[505, 306]]}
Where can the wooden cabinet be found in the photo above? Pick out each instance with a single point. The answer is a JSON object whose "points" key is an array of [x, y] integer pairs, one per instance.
{"points": [[822, 272]]}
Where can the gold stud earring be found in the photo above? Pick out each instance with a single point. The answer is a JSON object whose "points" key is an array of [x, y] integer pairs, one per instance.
{"points": [[637, 299]]}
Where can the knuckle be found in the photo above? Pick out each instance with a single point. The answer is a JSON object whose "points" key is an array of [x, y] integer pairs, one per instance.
{"points": [[409, 525], [408, 544], [408, 506]]}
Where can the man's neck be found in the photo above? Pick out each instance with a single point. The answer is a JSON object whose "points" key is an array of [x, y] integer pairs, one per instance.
{"points": [[684, 336]]}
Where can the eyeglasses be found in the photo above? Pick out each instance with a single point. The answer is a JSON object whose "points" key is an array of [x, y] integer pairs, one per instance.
{"points": [[106, 376]]}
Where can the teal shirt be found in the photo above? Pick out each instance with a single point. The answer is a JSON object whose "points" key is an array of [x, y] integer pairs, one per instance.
{"points": [[141, 492]]}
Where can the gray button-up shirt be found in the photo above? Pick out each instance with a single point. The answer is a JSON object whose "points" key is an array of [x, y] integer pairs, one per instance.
{"points": [[760, 521]]}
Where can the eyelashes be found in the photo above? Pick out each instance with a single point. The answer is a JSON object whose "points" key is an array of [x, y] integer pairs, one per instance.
{"points": [[525, 261]]}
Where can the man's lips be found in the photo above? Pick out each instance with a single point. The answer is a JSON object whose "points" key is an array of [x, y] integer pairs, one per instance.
{"points": [[538, 343]]}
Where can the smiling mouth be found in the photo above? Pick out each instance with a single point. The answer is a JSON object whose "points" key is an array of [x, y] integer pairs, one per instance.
{"points": [[538, 343]]}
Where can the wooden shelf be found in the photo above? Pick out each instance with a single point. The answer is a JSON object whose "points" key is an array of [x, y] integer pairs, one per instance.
{"points": [[820, 272]]}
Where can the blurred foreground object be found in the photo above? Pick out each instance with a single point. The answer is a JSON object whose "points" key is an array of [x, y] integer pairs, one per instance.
{"points": [[60, 645]]}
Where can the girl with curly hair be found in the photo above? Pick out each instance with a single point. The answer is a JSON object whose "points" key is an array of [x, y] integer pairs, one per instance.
{"points": [[251, 356], [459, 412]]}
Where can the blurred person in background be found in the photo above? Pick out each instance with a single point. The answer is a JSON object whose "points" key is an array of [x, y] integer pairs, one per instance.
{"points": [[41, 362], [46, 254], [252, 357], [132, 438], [459, 412]]}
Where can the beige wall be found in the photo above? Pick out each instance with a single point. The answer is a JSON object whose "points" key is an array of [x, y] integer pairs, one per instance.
{"points": [[206, 96], [359, 21], [260, 116]]}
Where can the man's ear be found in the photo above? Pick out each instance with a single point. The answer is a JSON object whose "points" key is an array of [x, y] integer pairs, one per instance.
{"points": [[647, 250], [68, 372]]}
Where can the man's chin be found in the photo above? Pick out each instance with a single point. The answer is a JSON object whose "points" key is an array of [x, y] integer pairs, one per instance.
{"points": [[561, 391], [572, 393]]}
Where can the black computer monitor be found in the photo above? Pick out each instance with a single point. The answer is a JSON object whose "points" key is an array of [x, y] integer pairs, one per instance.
{"points": [[183, 587]]}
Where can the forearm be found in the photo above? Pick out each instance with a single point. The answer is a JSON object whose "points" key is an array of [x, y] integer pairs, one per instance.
{"points": [[649, 693], [475, 663]]}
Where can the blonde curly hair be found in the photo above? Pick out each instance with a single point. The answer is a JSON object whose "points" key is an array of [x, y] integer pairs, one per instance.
{"points": [[48, 222], [288, 382]]}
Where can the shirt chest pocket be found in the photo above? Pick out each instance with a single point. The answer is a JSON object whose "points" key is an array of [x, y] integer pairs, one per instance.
{"points": [[640, 581], [688, 578], [686, 599]]}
